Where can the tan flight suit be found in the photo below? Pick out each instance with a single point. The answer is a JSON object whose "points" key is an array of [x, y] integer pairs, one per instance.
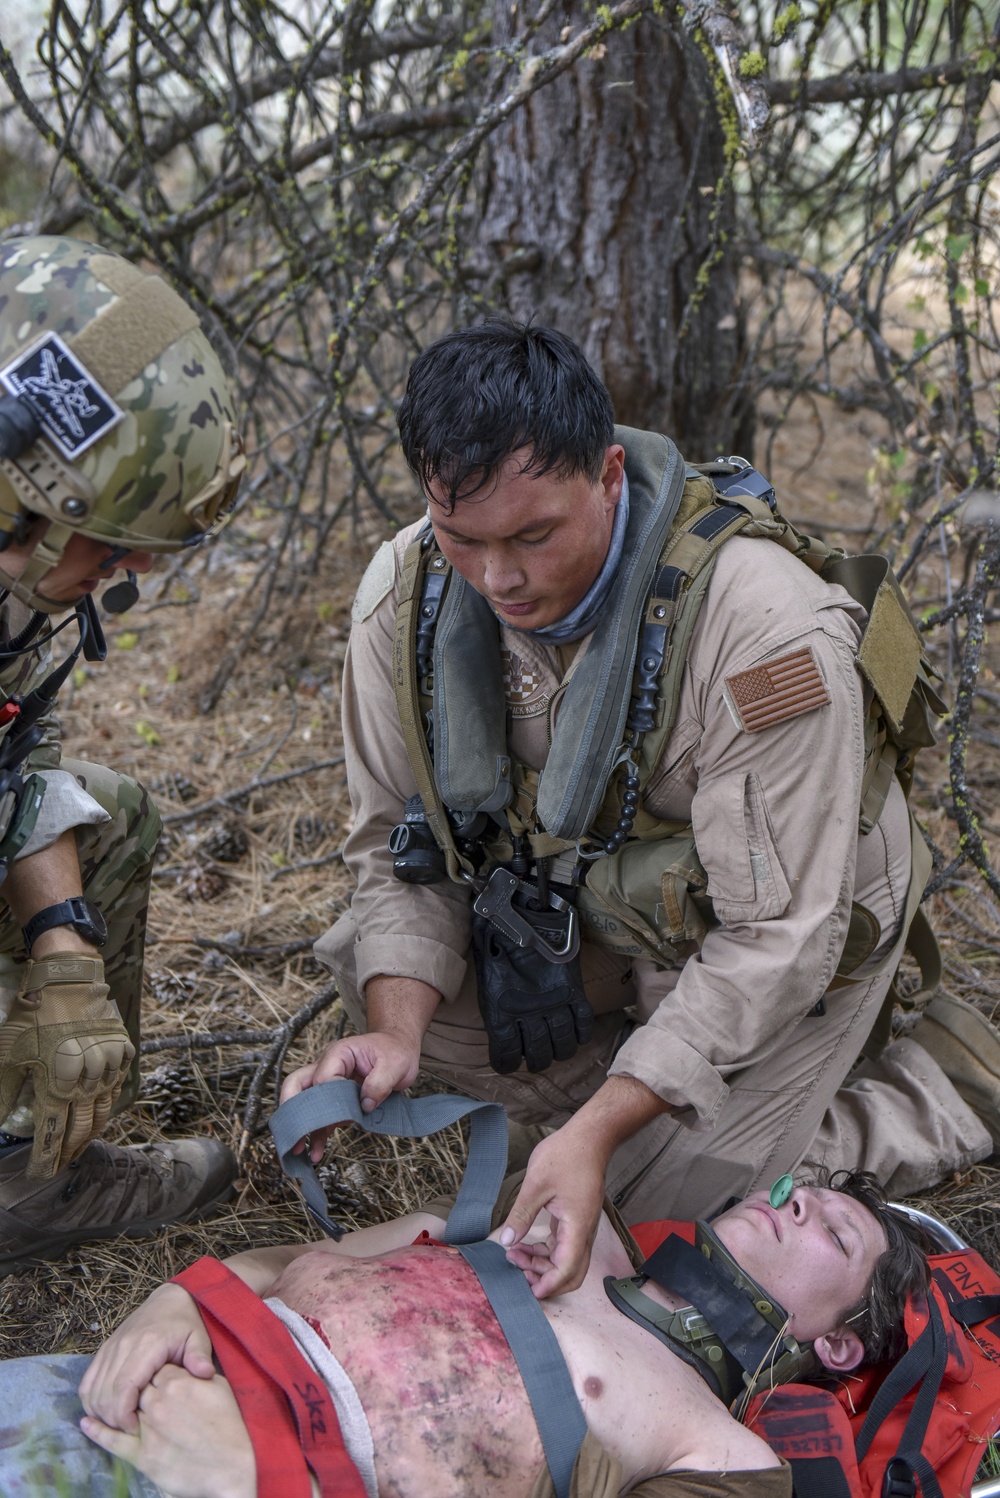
{"points": [[727, 1038]]}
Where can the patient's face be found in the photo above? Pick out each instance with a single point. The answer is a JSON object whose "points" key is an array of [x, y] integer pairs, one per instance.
{"points": [[815, 1255]]}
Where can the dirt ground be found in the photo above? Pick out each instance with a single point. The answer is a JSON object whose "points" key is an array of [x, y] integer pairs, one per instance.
{"points": [[255, 812]]}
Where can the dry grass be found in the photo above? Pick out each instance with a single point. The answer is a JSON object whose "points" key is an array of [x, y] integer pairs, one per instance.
{"points": [[242, 887]]}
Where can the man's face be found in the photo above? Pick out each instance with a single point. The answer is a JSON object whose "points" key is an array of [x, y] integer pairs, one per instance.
{"points": [[815, 1255], [83, 566], [531, 546]]}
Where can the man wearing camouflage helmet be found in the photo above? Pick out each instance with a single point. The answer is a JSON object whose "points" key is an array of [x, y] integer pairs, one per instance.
{"points": [[117, 440]]}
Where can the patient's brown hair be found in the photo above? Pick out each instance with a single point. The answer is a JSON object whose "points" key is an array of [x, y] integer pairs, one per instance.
{"points": [[899, 1272]]}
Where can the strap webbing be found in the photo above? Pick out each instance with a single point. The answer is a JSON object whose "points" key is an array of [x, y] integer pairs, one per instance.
{"points": [[539, 1358], [925, 1361], [557, 1412], [273, 1384], [339, 1102]]}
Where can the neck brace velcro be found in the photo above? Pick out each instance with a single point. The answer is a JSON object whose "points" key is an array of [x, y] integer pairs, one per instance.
{"points": [[728, 1328]]}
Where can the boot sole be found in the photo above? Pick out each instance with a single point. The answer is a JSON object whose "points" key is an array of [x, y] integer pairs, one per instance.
{"points": [[57, 1243]]}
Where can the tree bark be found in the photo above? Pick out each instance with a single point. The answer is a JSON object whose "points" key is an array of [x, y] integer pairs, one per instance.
{"points": [[608, 214]]}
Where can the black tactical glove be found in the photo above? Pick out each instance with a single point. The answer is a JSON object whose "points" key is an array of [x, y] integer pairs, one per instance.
{"points": [[535, 1010]]}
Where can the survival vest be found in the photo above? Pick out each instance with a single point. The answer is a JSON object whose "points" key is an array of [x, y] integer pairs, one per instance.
{"points": [[923, 1422], [641, 886]]}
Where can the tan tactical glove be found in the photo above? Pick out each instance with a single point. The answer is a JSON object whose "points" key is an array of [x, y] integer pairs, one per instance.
{"points": [[64, 1035]]}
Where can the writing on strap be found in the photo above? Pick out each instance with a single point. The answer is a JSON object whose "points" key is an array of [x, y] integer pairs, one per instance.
{"points": [[274, 1386]]}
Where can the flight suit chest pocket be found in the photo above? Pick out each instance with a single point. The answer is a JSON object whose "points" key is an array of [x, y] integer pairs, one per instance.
{"points": [[736, 844]]}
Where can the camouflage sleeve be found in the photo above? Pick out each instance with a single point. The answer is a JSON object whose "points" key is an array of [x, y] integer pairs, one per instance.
{"points": [[18, 675]]}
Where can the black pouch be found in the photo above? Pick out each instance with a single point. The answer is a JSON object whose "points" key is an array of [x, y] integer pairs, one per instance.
{"points": [[534, 1007]]}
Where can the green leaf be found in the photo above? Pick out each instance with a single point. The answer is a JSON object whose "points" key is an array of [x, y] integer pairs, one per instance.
{"points": [[147, 733], [956, 245], [127, 640], [919, 340]]}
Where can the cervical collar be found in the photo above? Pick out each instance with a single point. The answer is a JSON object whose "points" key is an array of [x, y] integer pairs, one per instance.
{"points": [[730, 1331]]}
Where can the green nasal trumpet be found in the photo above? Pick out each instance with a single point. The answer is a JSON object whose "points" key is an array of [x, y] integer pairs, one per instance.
{"points": [[781, 1191]]}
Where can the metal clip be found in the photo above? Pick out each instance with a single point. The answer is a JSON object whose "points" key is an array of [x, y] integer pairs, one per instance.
{"points": [[496, 905]]}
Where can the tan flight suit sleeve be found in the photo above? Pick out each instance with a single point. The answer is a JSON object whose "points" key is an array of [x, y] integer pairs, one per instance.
{"points": [[404, 930], [775, 816]]}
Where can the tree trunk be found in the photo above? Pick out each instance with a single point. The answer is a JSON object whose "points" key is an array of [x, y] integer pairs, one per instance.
{"points": [[603, 217]]}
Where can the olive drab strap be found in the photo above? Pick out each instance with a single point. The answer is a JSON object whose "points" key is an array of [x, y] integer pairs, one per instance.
{"points": [[408, 659]]}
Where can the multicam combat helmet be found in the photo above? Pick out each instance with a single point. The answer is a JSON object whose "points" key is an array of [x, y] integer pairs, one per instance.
{"points": [[139, 445]]}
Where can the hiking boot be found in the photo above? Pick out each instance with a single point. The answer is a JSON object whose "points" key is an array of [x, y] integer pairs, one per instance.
{"points": [[967, 1048], [106, 1192]]}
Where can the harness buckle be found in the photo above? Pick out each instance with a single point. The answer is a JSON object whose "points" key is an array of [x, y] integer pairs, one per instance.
{"points": [[495, 904], [899, 1480]]}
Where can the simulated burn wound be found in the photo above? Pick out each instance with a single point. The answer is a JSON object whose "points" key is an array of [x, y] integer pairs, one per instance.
{"points": [[781, 689]]}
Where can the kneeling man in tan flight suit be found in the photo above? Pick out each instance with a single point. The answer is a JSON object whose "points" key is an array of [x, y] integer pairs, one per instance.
{"points": [[599, 693]]}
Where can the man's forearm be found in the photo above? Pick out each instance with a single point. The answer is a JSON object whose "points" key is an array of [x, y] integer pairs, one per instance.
{"points": [[47, 878], [619, 1108], [403, 1007]]}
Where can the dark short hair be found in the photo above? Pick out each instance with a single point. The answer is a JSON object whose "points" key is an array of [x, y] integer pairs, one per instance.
{"points": [[899, 1272], [479, 395]]}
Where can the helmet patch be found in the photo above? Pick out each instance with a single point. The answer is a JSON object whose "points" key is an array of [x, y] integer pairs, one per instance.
{"points": [[71, 406]]}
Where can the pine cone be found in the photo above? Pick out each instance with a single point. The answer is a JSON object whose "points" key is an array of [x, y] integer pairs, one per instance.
{"points": [[203, 882], [226, 842], [172, 1095], [309, 831], [174, 786]]}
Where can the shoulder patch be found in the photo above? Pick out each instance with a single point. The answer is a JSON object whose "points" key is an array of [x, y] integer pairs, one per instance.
{"points": [[772, 693], [376, 584]]}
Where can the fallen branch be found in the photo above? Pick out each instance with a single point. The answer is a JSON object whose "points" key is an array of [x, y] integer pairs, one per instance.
{"points": [[221, 802], [269, 949], [307, 863], [283, 1039], [203, 1040]]}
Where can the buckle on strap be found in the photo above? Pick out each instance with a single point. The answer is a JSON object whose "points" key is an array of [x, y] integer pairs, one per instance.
{"points": [[495, 904], [899, 1480]]}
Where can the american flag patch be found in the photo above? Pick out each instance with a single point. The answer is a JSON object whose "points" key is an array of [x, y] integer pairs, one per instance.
{"points": [[782, 689]]}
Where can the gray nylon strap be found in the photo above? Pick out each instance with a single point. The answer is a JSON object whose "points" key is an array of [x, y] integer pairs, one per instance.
{"points": [[539, 1358], [557, 1412], [339, 1101]]}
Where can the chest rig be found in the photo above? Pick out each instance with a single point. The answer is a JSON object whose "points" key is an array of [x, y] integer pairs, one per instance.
{"points": [[639, 885]]}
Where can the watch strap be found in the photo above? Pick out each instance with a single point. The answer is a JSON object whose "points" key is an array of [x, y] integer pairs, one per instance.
{"points": [[85, 919]]}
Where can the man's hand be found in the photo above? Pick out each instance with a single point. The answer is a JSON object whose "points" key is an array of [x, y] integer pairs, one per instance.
{"points": [[66, 1037], [382, 1063], [385, 1059], [190, 1438], [567, 1181], [166, 1329], [565, 1176]]}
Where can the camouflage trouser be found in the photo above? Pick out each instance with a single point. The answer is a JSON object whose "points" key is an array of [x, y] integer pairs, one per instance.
{"points": [[116, 862], [43, 1451]]}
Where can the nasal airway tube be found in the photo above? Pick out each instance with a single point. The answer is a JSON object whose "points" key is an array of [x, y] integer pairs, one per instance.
{"points": [[289, 1415]]}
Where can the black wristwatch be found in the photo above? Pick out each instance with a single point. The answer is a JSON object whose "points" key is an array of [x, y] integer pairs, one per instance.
{"points": [[85, 919]]}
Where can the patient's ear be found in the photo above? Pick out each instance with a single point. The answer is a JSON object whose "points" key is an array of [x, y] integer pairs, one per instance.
{"points": [[840, 1351]]}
